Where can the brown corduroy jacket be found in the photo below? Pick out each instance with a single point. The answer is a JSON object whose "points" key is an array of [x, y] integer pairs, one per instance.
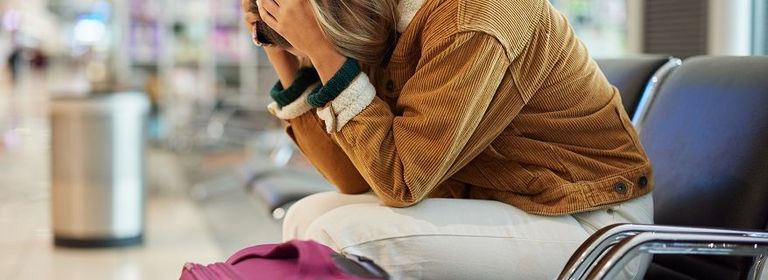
{"points": [[486, 99]]}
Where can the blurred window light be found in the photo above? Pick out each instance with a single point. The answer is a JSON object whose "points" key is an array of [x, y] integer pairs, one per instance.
{"points": [[600, 24], [11, 20], [760, 27], [89, 31]]}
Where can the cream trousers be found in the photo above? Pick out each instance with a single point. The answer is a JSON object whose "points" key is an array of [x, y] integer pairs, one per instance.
{"points": [[456, 238]]}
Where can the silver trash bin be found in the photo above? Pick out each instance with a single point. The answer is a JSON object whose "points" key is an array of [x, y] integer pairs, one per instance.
{"points": [[97, 166]]}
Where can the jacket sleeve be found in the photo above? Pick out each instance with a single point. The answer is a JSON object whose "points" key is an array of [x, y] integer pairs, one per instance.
{"points": [[325, 155], [404, 157]]}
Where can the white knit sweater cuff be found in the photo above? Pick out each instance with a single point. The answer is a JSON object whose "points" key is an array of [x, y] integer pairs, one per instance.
{"points": [[353, 100], [291, 111]]}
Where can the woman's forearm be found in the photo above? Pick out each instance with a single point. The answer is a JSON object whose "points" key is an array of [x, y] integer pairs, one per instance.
{"points": [[286, 64]]}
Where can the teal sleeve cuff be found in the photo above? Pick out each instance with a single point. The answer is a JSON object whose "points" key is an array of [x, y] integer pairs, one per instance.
{"points": [[304, 79], [338, 83]]}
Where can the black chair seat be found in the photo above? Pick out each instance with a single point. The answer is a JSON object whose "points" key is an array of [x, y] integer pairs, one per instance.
{"points": [[279, 188]]}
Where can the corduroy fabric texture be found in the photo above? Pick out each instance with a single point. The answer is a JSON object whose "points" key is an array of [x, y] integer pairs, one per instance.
{"points": [[487, 99]]}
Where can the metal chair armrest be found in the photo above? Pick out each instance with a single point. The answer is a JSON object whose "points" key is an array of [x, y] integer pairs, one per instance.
{"points": [[754, 244], [651, 90], [591, 251]]}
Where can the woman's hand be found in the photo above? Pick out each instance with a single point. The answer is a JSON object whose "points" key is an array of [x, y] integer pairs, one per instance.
{"points": [[296, 22], [286, 64]]}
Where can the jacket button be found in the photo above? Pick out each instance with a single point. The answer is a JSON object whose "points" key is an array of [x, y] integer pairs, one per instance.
{"points": [[390, 85], [643, 181], [620, 188]]}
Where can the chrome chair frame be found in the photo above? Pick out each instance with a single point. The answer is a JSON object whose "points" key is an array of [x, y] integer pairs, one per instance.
{"points": [[613, 246], [651, 89]]}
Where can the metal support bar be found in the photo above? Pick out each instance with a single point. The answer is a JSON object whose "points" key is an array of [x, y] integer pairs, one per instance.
{"points": [[754, 244], [590, 252], [652, 89], [757, 267]]}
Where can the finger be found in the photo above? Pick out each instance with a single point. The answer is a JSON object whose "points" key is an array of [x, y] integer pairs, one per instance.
{"points": [[266, 17], [271, 7], [270, 21]]}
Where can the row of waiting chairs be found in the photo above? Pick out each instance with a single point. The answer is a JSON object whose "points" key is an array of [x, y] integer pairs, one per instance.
{"points": [[704, 125]]}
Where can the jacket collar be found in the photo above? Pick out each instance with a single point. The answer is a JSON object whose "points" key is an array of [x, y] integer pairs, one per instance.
{"points": [[407, 10]]}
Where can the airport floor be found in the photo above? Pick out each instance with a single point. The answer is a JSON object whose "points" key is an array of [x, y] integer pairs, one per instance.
{"points": [[179, 228]]}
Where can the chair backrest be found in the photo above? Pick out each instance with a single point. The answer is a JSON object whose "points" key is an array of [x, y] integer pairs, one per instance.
{"points": [[634, 76], [707, 137]]}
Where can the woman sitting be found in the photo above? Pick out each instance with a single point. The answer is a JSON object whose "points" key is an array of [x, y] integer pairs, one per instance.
{"points": [[469, 139]]}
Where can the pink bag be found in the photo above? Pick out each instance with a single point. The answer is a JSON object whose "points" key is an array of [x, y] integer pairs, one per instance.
{"points": [[290, 260]]}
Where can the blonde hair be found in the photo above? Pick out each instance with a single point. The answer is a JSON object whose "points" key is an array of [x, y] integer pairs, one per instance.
{"points": [[365, 30]]}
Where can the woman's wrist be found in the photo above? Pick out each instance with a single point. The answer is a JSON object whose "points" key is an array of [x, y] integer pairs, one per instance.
{"points": [[327, 61], [340, 81], [304, 78]]}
